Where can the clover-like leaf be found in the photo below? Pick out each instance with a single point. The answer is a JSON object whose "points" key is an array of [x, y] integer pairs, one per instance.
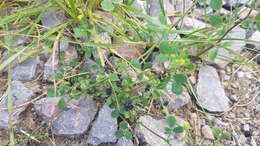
{"points": [[107, 5]]}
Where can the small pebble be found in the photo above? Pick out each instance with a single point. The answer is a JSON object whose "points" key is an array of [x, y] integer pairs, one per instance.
{"points": [[253, 142], [246, 129], [207, 132], [240, 74], [233, 98]]}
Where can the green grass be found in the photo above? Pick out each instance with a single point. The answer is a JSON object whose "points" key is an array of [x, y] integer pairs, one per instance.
{"points": [[147, 31]]}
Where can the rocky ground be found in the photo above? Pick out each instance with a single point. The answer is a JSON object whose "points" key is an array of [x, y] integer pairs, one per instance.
{"points": [[224, 95]]}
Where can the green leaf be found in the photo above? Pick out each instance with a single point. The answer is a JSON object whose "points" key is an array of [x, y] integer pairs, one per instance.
{"points": [[119, 134], [171, 121], [216, 4], [213, 54], [165, 47], [177, 89], [168, 131], [247, 23], [115, 114], [225, 135], [180, 78], [128, 134], [216, 131], [148, 65], [107, 5], [162, 19], [215, 20], [117, 1], [178, 129], [135, 63], [51, 92], [61, 103], [80, 32], [113, 77], [257, 20], [162, 57], [123, 125]]}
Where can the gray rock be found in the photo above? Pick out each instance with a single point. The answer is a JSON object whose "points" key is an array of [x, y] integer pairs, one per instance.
{"points": [[246, 130], [233, 98], [207, 132], [26, 70], [256, 37], [51, 67], [176, 101], [140, 5], [242, 140], [236, 46], [105, 38], [52, 18], [70, 121], [211, 95], [124, 142], [157, 65], [176, 6], [148, 138], [240, 74], [192, 23], [253, 142], [20, 95], [104, 128], [236, 3]]}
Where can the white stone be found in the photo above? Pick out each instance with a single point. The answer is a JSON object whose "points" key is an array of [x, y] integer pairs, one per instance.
{"points": [[211, 95]]}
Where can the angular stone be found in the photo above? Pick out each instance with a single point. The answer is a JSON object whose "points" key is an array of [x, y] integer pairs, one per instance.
{"points": [[176, 101], [146, 137], [211, 95], [171, 7], [236, 3], [104, 128], [51, 67], [124, 142], [140, 5], [20, 95], [70, 121], [26, 70], [207, 132], [256, 37], [157, 65], [192, 23], [52, 18], [129, 50], [236, 46], [105, 38]]}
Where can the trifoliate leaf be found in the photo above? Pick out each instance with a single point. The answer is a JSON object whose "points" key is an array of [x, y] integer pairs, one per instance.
{"points": [[257, 20], [51, 92], [115, 114], [216, 4], [180, 78], [61, 103], [215, 20], [119, 134], [123, 125], [107, 5], [213, 54], [178, 129], [113, 77], [171, 121], [135, 63], [177, 89], [117, 1]]}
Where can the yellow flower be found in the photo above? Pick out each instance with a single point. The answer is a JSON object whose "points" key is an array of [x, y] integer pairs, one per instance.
{"points": [[80, 16], [181, 61]]}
